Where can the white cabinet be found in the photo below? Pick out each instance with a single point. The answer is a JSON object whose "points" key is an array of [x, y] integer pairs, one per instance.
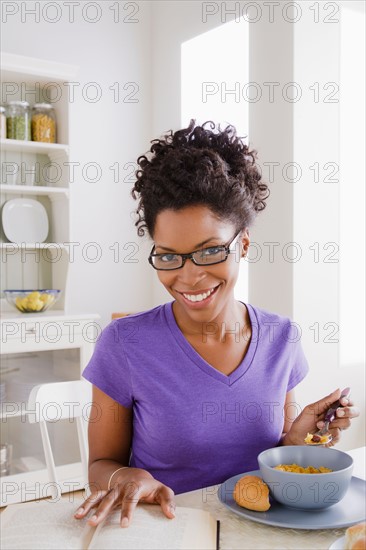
{"points": [[54, 345], [35, 350], [29, 265]]}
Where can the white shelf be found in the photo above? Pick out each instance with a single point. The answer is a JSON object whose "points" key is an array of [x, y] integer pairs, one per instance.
{"points": [[53, 150], [49, 315], [32, 246], [34, 190], [24, 68]]}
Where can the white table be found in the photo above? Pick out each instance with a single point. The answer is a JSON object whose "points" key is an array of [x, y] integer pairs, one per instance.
{"points": [[240, 533]]}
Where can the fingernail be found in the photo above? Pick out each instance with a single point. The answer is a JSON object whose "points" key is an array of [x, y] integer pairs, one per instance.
{"points": [[340, 413], [124, 522], [93, 518], [80, 511], [172, 510]]}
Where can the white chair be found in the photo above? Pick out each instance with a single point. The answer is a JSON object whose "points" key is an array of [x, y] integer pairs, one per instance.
{"points": [[56, 401]]}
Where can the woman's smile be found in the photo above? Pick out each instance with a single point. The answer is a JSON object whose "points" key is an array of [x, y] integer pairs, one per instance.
{"points": [[199, 298]]}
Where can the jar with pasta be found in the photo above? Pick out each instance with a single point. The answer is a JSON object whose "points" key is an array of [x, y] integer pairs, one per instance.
{"points": [[43, 123], [18, 123]]}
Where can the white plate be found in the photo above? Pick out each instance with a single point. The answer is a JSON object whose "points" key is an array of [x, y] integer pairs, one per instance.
{"points": [[338, 544], [25, 221]]}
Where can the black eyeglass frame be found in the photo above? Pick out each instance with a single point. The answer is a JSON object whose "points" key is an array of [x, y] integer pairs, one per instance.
{"points": [[225, 247]]}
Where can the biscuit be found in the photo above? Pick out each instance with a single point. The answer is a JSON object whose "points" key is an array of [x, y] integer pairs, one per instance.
{"points": [[252, 493], [356, 537]]}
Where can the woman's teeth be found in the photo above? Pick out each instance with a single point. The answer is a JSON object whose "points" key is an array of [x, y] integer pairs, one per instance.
{"points": [[199, 297]]}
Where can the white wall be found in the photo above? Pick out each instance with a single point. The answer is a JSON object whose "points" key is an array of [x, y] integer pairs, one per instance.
{"points": [[319, 138], [105, 132], [271, 125]]}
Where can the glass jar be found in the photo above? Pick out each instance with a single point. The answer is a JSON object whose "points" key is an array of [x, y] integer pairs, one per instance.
{"points": [[2, 122], [43, 123], [18, 123]]}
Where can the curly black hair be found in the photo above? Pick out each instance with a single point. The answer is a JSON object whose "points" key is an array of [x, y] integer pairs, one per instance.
{"points": [[199, 166]]}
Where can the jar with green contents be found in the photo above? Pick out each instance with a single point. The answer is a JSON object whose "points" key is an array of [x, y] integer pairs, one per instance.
{"points": [[43, 123], [18, 122], [2, 122]]}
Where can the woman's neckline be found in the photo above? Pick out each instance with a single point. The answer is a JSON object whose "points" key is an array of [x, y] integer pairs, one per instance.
{"points": [[199, 361]]}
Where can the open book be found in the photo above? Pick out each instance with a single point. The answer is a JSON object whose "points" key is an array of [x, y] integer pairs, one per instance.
{"points": [[48, 525]]}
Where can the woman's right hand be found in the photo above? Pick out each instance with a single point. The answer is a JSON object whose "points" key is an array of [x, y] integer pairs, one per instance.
{"points": [[129, 487]]}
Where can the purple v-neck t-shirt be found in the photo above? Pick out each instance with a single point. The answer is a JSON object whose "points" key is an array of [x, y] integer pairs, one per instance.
{"points": [[194, 426]]}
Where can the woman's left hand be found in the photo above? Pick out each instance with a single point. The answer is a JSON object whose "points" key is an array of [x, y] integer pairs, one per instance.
{"points": [[311, 419]]}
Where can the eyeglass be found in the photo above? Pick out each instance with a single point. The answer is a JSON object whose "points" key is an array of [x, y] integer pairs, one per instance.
{"points": [[206, 256]]}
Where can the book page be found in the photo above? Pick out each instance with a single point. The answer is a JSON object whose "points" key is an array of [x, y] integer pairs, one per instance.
{"points": [[44, 525], [150, 529]]}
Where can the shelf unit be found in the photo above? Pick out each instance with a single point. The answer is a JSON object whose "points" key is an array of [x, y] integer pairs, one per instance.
{"points": [[39, 348], [36, 80]]}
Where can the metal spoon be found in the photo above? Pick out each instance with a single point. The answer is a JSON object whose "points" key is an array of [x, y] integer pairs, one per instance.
{"points": [[329, 417]]}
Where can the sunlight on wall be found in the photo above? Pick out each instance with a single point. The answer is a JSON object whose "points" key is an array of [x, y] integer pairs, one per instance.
{"points": [[215, 69], [352, 188]]}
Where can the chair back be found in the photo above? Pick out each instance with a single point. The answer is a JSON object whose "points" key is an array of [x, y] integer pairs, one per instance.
{"points": [[56, 401]]}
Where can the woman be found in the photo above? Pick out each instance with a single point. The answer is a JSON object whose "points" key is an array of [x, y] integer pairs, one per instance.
{"points": [[187, 394]]}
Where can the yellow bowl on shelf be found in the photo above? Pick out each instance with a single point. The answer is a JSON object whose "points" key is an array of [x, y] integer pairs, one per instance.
{"points": [[32, 301]]}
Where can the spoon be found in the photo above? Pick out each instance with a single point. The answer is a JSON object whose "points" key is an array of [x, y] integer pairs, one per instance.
{"points": [[322, 437]]}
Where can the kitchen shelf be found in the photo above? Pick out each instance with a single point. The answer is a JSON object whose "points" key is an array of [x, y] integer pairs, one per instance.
{"points": [[33, 246], [51, 315], [14, 66], [55, 345], [34, 190], [53, 150]]}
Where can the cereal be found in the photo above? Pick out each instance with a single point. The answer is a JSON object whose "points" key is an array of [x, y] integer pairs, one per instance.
{"points": [[296, 469], [313, 439]]}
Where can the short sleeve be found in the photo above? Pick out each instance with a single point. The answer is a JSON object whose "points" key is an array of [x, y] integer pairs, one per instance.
{"points": [[108, 368], [300, 366]]}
